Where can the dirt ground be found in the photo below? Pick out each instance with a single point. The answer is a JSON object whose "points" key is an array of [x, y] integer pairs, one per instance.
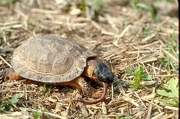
{"points": [[125, 33]]}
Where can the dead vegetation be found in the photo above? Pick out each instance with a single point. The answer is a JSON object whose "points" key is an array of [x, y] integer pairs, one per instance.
{"points": [[129, 38]]}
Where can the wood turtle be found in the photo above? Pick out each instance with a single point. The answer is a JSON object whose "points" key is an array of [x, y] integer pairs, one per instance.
{"points": [[55, 60]]}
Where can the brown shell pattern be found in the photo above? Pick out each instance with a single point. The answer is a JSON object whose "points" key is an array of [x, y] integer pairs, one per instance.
{"points": [[50, 59]]}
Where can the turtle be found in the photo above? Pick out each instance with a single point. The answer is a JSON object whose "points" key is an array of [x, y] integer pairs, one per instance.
{"points": [[52, 59]]}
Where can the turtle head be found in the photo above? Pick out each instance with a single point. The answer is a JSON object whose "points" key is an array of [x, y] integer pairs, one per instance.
{"points": [[99, 71]]}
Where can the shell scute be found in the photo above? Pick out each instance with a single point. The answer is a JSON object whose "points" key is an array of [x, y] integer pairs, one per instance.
{"points": [[62, 62]]}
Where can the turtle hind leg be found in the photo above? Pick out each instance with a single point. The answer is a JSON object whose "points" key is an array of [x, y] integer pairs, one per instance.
{"points": [[12, 75]]}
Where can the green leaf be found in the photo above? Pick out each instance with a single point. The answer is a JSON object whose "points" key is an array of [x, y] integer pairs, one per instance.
{"points": [[125, 117], [172, 85], [83, 5], [8, 105], [13, 100], [97, 5], [165, 93], [150, 8], [165, 61], [47, 89], [170, 92], [10, 108], [128, 117], [170, 102], [147, 77], [19, 95], [139, 75], [134, 4], [38, 113], [139, 71], [145, 6], [2, 107], [129, 71]]}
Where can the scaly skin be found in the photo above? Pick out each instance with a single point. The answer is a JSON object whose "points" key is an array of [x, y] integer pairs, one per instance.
{"points": [[100, 99]]}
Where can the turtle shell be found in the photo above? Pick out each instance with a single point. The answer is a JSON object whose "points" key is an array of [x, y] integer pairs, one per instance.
{"points": [[50, 59]]}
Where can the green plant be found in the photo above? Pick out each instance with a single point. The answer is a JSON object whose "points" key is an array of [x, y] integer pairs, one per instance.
{"points": [[38, 114], [169, 92], [10, 1], [147, 30], [135, 4], [83, 5], [125, 117], [10, 104], [125, 23], [139, 75], [47, 89], [97, 5], [150, 8], [172, 45], [165, 61], [172, 49]]}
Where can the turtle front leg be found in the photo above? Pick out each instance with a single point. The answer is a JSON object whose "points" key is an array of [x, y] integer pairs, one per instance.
{"points": [[100, 99], [12, 75], [89, 91], [80, 84], [85, 87]]}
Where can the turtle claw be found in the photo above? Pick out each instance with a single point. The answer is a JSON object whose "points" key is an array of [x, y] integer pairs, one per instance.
{"points": [[97, 94], [100, 99]]}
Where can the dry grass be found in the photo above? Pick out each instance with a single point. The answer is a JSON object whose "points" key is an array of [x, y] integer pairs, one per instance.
{"points": [[122, 35]]}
